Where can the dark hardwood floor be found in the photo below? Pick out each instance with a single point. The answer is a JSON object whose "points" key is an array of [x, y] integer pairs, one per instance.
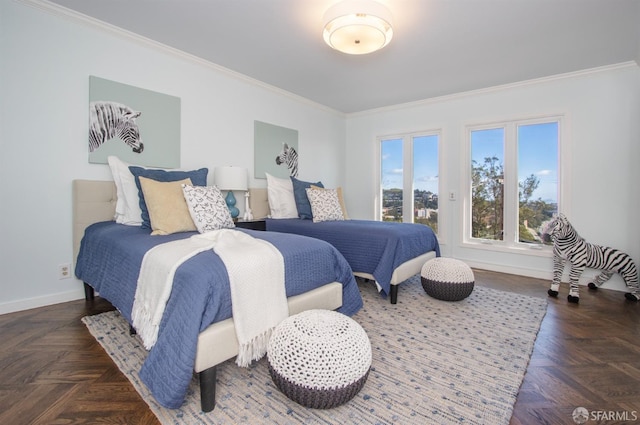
{"points": [[52, 371]]}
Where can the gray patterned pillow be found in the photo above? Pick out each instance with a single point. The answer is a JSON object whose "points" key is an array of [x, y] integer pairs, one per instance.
{"points": [[207, 208], [325, 204]]}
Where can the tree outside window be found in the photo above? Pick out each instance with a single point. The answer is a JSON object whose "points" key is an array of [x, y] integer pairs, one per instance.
{"points": [[514, 181]]}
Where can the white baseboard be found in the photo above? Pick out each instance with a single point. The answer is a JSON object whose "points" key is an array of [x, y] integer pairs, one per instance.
{"points": [[616, 283], [35, 302], [501, 268]]}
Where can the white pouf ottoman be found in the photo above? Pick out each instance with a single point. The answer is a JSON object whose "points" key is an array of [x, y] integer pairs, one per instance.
{"points": [[319, 358], [447, 279]]}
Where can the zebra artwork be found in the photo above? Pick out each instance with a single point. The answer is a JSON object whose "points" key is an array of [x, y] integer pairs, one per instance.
{"points": [[569, 246], [110, 119], [288, 157]]}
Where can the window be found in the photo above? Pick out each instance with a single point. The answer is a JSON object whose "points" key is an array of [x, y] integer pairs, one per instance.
{"points": [[391, 154], [513, 181], [409, 179]]}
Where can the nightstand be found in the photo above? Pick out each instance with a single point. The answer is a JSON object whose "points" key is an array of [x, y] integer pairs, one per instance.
{"points": [[258, 224]]}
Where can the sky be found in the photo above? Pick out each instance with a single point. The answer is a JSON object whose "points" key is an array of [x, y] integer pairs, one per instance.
{"points": [[537, 152], [425, 153]]}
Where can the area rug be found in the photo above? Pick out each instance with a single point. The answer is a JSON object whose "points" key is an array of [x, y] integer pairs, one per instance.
{"points": [[433, 362]]}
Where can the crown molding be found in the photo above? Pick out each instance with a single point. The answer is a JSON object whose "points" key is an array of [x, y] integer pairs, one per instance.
{"points": [[80, 18], [495, 89]]}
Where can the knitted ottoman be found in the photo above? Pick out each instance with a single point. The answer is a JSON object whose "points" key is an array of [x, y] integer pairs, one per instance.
{"points": [[447, 279], [319, 358]]}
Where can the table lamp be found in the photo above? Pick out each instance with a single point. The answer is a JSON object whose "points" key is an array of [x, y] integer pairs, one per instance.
{"points": [[230, 179]]}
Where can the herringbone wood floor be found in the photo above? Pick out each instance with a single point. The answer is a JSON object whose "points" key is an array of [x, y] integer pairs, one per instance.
{"points": [[52, 371]]}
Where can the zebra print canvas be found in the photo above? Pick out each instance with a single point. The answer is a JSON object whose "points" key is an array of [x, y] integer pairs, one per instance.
{"points": [[110, 119], [288, 157], [568, 246], [275, 151], [136, 125]]}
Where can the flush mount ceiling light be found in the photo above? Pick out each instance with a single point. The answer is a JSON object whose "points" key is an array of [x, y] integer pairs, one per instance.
{"points": [[357, 27]]}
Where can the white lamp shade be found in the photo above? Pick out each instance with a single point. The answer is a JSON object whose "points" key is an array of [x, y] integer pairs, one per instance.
{"points": [[230, 178], [357, 27]]}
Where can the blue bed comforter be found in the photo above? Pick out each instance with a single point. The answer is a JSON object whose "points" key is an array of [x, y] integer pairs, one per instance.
{"points": [[374, 247], [109, 260]]}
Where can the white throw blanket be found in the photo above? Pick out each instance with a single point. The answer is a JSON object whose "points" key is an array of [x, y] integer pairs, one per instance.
{"points": [[155, 283], [256, 276], [258, 294]]}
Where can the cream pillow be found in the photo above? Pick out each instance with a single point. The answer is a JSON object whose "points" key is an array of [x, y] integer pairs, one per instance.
{"points": [[340, 199], [168, 211], [280, 194], [207, 207], [325, 205]]}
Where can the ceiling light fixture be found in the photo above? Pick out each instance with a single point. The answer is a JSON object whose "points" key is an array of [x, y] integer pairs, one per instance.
{"points": [[357, 27]]}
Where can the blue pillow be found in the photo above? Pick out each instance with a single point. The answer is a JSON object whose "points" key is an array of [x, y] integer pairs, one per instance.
{"points": [[300, 196], [198, 178]]}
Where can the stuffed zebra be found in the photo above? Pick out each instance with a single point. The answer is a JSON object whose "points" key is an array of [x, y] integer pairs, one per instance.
{"points": [[569, 246], [110, 119], [289, 157]]}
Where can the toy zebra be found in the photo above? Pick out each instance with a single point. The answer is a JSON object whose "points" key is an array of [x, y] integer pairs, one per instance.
{"points": [[110, 119], [289, 157], [569, 246]]}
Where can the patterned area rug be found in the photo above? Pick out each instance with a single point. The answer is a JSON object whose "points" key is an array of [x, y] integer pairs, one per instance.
{"points": [[433, 362]]}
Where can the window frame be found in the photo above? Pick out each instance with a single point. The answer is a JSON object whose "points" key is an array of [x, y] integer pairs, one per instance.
{"points": [[408, 174], [511, 198]]}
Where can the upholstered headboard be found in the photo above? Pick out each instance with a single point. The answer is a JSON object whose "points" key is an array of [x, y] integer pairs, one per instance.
{"points": [[93, 201], [258, 202]]}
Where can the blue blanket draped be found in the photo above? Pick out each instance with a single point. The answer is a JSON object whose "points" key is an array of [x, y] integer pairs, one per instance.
{"points": [[109, 260], [374, 247]]}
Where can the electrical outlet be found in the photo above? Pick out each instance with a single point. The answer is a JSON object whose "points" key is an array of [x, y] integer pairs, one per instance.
{"points": [[452, 196], [64, 271]]}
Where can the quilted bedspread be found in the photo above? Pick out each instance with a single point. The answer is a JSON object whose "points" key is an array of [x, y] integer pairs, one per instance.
{"points": [[374, 247], [109, 260]]}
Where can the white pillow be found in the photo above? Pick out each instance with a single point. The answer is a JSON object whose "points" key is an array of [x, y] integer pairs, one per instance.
{"points": [[325, 204], [128, 203], [280, 194], [207, 207]]}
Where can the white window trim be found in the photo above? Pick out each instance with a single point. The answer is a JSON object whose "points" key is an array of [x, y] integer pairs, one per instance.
{"points": [[407, 176], [564, 165]]}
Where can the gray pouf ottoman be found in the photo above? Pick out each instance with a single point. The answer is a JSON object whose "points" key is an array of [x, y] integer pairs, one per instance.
{"points": [[319, 358], [447, 279]]}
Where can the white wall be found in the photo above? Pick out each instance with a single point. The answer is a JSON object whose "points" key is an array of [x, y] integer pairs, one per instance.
{"points": [[47, 57], [638, 33], [602, 110]]}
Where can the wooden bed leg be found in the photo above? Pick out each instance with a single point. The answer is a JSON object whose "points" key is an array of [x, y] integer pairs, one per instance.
{"points": [[393, 294], [208, 389], [89, 293]]}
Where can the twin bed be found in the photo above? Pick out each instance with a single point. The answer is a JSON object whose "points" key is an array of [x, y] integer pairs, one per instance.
{"points": [[197, 330], [384, 252]]}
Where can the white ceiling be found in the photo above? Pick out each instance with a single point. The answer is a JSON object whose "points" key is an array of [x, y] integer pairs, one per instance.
{"points": [[439, 47]]}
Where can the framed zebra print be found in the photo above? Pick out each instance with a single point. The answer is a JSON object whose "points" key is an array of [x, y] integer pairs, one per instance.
{"points": [[275, 151], [138, 126]]}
